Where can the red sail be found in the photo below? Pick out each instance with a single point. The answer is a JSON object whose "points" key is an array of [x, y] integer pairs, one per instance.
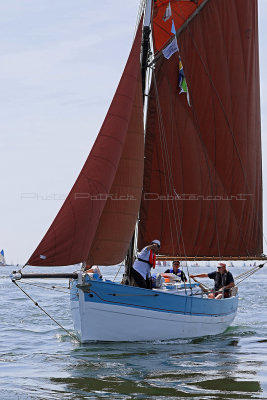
{"points": [[98, 202], [118, 219], [163, 20], [202, 179]]}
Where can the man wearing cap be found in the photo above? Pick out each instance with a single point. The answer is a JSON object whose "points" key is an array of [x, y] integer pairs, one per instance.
{"points": [[223, 281], [146, 259]]}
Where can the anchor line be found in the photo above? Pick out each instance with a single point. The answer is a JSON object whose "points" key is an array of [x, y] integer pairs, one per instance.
{"points": [[41, 308]]}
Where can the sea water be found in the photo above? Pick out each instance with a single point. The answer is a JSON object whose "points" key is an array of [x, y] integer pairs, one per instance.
{"points": [[38, 360]]}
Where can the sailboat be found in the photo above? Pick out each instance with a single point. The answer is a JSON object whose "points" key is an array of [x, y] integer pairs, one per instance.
{"points": [[178, 158], [2, 258]]}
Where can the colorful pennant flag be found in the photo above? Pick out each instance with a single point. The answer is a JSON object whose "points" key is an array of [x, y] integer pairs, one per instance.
{"points": [[182, 81], [173, 48]]}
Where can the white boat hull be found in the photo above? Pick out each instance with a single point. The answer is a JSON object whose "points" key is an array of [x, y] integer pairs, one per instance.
{"points": [[111, 312]]}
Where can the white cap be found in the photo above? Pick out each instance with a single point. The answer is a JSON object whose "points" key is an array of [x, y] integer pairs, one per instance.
{"points": [[221, 264], [156, 242]]}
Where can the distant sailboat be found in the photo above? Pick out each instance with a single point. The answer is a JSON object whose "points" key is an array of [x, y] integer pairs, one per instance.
{"points": [[183, 184], [2, 258], [195, 264]]}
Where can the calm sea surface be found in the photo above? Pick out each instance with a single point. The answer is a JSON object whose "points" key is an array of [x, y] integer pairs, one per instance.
{"points": [[40, 361]]}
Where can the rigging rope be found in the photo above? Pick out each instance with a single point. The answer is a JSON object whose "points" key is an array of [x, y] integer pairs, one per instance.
{"points": [[118, 272], [164, 147], [169, 182], [164, 150], [163, 144], [248, 273], [36, 304], [55, 288]]}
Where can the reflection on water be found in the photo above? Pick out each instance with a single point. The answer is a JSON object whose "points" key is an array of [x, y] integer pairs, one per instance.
{"points": [[206, 368]]}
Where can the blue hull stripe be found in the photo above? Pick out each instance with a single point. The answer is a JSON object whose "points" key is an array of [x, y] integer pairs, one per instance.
{"points": [[130, 305], [104, 292]]}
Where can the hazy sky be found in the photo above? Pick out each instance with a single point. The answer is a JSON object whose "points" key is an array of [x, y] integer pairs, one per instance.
{"points": [[60, 63]]}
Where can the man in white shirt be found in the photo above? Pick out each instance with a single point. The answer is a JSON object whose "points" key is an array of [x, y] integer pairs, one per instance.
{"points": [[146, 259]]}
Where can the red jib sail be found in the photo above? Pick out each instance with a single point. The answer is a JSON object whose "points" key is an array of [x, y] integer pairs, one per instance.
{"points": [[97, 220], [202, 181]]}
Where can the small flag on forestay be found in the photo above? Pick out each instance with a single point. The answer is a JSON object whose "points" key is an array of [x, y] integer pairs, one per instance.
{"points": [[173, 30], [182, 81], [168, 13], [168, 52], [173, 48], [170, 49]]}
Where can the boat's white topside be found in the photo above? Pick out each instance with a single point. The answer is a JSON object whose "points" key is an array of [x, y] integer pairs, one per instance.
{"points": [[103, 310]]}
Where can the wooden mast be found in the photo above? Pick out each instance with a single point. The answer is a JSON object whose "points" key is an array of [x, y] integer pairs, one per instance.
{"points": [[129, 260]]}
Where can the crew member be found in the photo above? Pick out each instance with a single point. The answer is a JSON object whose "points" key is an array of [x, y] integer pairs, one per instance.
{"points": [[177, 271], [223, 281], [146, 259], [93, 269]]}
